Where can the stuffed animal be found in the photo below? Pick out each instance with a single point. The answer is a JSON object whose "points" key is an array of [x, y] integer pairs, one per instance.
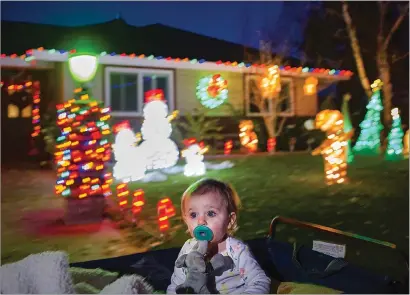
{"points": [[198, 270]]}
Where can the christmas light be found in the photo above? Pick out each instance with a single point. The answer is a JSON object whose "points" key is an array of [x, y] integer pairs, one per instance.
{"points": [[310, 86], [138, 202], [212, 91], [285, 69], [270, 83], [247, 136], [166, 203], [194, 156], [32, 87], [271, 144], [368, 142], [157, 148], [130, 162], [394, 150], [228, 147], [333, 148], [82, 149]]}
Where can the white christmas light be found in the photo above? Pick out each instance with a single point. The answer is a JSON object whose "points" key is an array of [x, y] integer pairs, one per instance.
{"points": [[158, 149], [130, 162], [194, 160]]}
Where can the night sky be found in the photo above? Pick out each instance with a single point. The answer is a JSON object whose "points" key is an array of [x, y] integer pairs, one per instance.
{"points": [[237, 22]]}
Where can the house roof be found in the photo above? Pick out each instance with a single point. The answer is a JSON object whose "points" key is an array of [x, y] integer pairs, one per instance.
{"points": [[118, 39]]}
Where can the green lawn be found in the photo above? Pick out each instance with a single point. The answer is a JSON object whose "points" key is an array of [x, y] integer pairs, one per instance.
{"points": [[375, 203]]}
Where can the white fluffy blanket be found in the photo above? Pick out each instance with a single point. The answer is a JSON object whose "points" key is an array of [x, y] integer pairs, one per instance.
{"points": [[49, 273]]}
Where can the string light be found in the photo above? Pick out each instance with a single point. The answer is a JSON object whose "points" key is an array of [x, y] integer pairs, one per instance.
{"points": [[271, 144], [32, 87], [228, 147], [157, 148], [247, 136], [368, 142], [270, 84], [212, 91], [286, 69], [394, 150], [82, 149], [194, 156], [333, 148]]}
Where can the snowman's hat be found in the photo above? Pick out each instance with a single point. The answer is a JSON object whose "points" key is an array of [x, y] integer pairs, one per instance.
{"points": [[154, 94], [122, 125]]}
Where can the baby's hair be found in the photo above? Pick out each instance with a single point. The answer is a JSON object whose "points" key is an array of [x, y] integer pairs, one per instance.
{"points": [[223, 189]]}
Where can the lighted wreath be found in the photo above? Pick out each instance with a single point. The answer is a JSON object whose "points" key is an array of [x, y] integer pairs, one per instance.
{"points": [[212, 91]]}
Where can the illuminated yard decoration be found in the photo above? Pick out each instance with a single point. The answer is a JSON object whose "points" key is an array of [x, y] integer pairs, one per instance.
{"points": [[333, 148], [212, 91], [247, 136], [83, 150], [368, 142], [130, 162], [394, 150], [157, 148], [194, 156]]}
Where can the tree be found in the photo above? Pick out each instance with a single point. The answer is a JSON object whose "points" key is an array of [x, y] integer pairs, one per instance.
{"points": [[278, 41], [368, 142], [384, 58], [347, 126], [394, 149]]}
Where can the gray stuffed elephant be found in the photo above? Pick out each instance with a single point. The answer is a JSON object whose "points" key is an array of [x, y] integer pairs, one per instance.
{"points": [[198, 271]]}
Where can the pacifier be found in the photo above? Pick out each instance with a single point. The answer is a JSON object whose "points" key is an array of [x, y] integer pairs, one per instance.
{"points": [[203, 233]]}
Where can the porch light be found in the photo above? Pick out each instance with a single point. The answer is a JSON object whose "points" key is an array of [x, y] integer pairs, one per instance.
{"points": [[83, 67]]}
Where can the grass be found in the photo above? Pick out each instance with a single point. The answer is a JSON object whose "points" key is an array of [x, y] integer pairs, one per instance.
{"points": [[375, 203]]}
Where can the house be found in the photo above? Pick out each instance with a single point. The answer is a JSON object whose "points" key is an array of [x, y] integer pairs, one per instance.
{"points": [[133, 60]]}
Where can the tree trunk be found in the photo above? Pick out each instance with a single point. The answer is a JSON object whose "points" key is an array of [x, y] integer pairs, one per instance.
{"points": [[384, 72], [268, 120], [356, 51]]}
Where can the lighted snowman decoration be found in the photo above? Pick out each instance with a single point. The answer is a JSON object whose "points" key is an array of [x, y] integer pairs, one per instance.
{"points": [[158, 149], [194, 156], [130, 163]]}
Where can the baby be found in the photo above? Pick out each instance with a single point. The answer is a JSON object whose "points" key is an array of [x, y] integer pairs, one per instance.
{"points": [[215, 204]]}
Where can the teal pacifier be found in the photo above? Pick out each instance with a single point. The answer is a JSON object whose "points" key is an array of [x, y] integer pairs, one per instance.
{"points": [[203, 233]]}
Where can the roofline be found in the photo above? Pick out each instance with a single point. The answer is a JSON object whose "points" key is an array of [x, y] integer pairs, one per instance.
{"points": [[133, 60]]}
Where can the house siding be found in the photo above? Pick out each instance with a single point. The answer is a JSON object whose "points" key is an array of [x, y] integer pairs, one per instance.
{"points": [[185, 81], [305, 105]]}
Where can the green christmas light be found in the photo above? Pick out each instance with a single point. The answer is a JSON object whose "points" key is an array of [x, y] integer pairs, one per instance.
{"points": [[394, 150], [83, 67], [212, 91], [368, 142], [347, 126]]}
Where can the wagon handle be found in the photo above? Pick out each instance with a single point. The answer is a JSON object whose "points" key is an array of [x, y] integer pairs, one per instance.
{"points": [[318, 227]]}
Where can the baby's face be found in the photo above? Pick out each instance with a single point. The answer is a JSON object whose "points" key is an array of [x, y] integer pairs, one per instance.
{"points": [[210, 210]]}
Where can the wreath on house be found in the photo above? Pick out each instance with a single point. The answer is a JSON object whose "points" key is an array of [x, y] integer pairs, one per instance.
{"points": [[212, 91]]}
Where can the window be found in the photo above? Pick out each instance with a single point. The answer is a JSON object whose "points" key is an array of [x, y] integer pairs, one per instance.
{"points": [[256, 106], [125, 88]]}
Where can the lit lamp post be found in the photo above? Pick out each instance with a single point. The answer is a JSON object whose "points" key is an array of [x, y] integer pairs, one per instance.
{"points": [[83, 148]]}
